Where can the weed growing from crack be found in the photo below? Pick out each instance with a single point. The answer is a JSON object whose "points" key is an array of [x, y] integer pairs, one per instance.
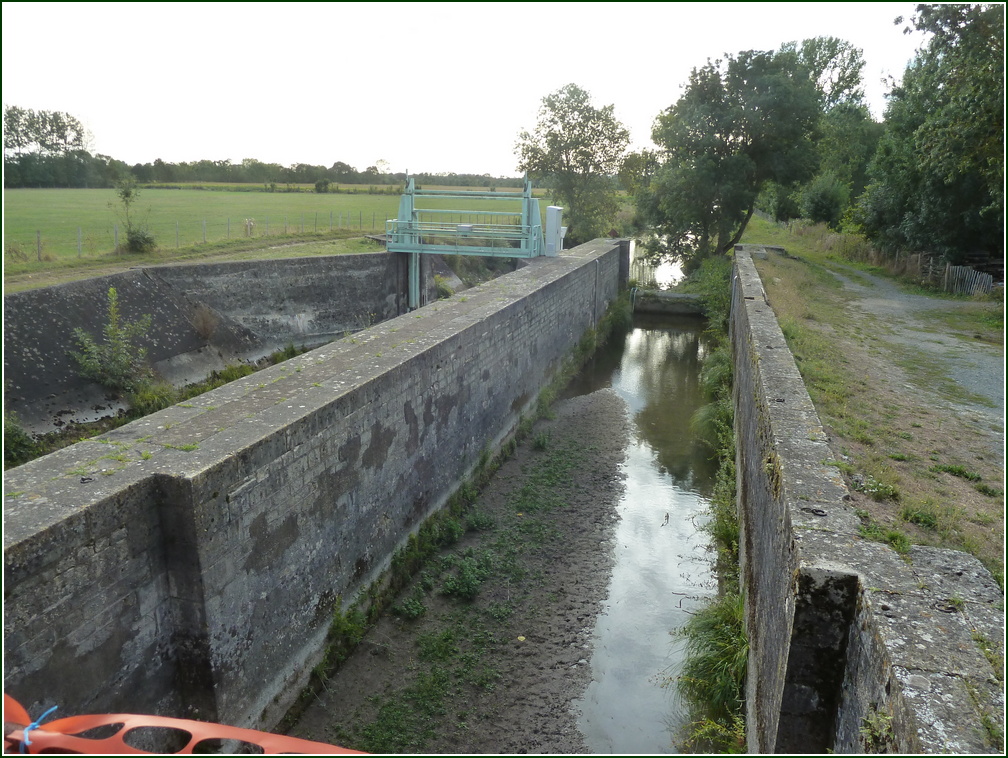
{"points": [[872, 530]]}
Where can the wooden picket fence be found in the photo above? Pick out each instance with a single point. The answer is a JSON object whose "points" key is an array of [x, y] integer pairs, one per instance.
{"points": [[963, 280]]}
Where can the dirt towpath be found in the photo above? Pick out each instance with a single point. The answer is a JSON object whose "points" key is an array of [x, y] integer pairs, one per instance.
{"points": [[919, 423], [908, 323]]}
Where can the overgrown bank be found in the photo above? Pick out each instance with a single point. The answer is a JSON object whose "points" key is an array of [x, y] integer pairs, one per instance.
{"points": [[146, 397]]}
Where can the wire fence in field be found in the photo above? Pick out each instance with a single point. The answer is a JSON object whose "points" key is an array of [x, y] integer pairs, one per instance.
{"points": [[92, 241]]}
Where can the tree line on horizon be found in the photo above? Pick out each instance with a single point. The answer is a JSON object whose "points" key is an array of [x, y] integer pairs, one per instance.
{"points": [[49, 149]]}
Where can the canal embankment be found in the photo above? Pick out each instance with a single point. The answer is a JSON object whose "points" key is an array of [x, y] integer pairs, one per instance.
{"points": [[190, 562], [853, 646]]}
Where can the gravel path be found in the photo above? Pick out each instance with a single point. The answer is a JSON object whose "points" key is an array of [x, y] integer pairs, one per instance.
{"points": [[976, 367]]}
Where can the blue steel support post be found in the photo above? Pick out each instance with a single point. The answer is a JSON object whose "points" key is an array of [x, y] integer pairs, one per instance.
{"points": [[526, 217], [409, 236], [414, 281]]}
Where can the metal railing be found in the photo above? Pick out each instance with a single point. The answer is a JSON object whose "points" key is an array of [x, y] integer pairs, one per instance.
{"points": [[489, 239]]}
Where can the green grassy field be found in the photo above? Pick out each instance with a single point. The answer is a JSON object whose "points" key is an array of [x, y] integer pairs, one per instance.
{"points": [[319, 224], [179, 218]]}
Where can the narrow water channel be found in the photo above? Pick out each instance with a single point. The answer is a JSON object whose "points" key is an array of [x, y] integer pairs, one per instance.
{"points": [[662, 569]]}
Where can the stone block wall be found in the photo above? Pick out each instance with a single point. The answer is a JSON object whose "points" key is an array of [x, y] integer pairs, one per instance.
{"points": [[852, 648], [189, 563], [203, 316], [287, 299]]}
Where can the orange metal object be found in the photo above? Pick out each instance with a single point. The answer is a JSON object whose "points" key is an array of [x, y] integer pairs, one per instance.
{"points": [[65, 735]]}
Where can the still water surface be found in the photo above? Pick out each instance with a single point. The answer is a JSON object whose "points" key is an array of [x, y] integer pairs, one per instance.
{"points": [[662, 566]]}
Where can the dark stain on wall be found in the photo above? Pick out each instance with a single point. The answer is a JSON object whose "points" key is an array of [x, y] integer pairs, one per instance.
{"points": [[349, 450], [361, 566], [377, 449], [269, 544], [413, 441]]}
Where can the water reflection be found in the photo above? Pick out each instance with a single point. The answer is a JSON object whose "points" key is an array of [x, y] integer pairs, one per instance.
{"points": [[656, 369], [649, 276], [662, 567]]}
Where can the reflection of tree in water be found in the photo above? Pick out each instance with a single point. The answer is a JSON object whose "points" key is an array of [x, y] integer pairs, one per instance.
{"points": [[657, 366], [666, 365]]}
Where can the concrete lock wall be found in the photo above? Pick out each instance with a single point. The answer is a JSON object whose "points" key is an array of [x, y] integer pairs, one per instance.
{"points": [[203, 317], [852, 648], [189, 563]]}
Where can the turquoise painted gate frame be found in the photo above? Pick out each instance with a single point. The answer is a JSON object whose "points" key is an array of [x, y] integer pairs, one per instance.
{"points": [[515, 233]]}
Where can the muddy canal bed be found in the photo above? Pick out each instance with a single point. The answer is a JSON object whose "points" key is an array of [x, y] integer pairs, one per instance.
{"points": [[498, 673]]}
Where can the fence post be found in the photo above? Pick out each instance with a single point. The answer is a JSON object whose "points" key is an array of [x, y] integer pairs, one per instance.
{"points": [[360, 219], [78, 242], [372, 220], [285, 225]]}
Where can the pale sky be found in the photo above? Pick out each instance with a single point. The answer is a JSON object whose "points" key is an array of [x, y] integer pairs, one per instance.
{"points": [[422, 86]]}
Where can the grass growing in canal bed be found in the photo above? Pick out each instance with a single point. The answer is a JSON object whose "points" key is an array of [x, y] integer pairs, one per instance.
{"points": [[466, 557], [713, 675]]}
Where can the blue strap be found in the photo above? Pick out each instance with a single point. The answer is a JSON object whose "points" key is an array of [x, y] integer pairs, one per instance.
{"points": [[34, 725]]}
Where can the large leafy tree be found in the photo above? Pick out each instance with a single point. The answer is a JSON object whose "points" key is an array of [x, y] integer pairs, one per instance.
{"points": [[46, 148], [937, 177], [847, 134], [637, 170], [578, 149], [740, 124], [835, 67], [848, 137]]}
